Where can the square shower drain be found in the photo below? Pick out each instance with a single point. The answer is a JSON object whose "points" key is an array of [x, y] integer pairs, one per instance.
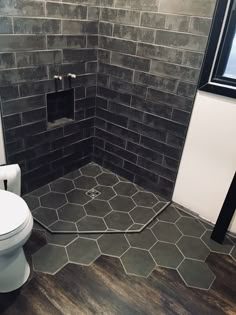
{"points": [[93, 193]]}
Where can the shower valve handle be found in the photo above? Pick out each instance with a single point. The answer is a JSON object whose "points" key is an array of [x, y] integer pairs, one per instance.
{"points": [[71, 75], [58, 77]]}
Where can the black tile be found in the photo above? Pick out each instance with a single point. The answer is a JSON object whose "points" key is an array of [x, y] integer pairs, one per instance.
{"points": [[107, 136], [22, 105], [14, 76], [23, 42], [34, 115], [144, 152], [108, 156], [115, 71], [161, 147], [113, 95], [124, 154], [24, 131], [145, 130], [113, 118], [36, 26], [170, 99], [151, 107], [157, 169], [123, 133], [140, 171], [12, 121], [38, 87], [7, 60], [5, 25]]}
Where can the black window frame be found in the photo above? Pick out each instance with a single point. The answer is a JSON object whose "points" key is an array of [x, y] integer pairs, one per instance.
{"points": [[223, 29]]}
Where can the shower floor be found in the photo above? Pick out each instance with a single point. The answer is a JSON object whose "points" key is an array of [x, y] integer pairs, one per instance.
{"points": [[93, 200]]}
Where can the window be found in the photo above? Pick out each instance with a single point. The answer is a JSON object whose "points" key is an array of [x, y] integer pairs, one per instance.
{"points": [[219, 68]]}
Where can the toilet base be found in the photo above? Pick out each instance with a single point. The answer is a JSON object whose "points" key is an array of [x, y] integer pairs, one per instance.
{"points": [[14, 270]]}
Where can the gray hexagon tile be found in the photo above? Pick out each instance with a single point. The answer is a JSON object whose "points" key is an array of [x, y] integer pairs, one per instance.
{"points": [[53, 200], [143, 240], [71, 212], [233, 253], [78, 196], [224, 248], [125, 189], [97, 208], [32, 202], [136, 227], [40, 191], [166, 255], [45, 216], [142, 215], [72, 175], [207, 225], [85, 182], [60, 239], [138, 262], [160, 206], [63, 226], [62, 185], [118, 221], [69, 195], [106, 179], [91, 169], [166, 232], [193, 248], [196, 274], [113, 244], [106, 193], [122, 203], [83, 251], [145, 199], [169, 215], [190, 226], [50, 259], [90, 223]]}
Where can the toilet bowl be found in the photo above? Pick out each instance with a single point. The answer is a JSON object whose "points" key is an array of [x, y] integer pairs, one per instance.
{"points": [[16, 224]]}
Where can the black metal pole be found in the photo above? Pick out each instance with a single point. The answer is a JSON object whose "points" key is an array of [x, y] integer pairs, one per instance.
{"points": [[226, 214]]}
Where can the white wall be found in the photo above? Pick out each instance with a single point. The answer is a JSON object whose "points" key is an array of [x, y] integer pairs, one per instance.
{"points": [[209, 158]]}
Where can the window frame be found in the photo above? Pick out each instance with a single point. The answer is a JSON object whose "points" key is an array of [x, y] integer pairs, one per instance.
{"points": [[212, 79]]}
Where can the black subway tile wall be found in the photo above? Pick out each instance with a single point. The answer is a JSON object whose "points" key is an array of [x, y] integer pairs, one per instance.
{"points": [[137, 64], [149, 58], [40, 39]]}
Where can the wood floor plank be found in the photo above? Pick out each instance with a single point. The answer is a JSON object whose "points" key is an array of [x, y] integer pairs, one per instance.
{"points": [[104, 288]]}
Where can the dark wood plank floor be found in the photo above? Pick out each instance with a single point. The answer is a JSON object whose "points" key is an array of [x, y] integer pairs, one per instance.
{"points": [[104, 288]]}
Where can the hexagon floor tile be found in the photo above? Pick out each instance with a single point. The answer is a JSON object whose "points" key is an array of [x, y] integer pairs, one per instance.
{"points": [[113, 244], [115, 204], [166, 255], [138, 262], [224, 248], [166, 232], [143, 240], [196, 274], [83, 251], [164, 243], [193, 248], [50, 259]]}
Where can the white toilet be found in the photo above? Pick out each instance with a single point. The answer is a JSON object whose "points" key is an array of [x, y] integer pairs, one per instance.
{"points": [[16, 224]]}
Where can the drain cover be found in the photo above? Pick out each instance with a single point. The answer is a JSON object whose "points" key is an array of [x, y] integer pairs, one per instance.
{"points": [[93, 193]]}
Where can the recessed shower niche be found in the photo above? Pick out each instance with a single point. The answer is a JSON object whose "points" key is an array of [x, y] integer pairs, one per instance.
{"points": [[60, 108]]}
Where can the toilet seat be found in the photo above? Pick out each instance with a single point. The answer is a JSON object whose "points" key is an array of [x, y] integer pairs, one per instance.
{"points": [[14, 214]]}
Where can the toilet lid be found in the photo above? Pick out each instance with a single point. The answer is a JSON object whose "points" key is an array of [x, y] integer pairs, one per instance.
{"points": [[14, 212]]}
